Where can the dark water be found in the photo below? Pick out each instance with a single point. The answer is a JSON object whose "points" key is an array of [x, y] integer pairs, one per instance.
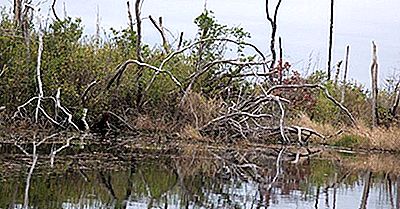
{"points": [[199, 179]]}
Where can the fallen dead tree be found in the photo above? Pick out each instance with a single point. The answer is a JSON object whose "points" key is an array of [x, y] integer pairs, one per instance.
{"points": [[259, 113], [263, 117]]}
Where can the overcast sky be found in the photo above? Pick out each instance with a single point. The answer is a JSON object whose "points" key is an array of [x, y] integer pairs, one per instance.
{"points": [[302, 24]]}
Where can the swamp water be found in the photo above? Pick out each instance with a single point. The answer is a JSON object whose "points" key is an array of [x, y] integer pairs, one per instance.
{"points": [[197, 177]]}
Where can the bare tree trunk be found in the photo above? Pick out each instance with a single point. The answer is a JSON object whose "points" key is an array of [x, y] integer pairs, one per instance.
{"points": [[130, 16], [374, 76], [338, 68], [17, 12], [97, 37], [280, 61], [330, 41], [396, 102], [139, 85], [272, 21], [346, 68]]}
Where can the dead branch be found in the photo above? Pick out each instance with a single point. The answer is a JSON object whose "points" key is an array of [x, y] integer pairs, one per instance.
{"points": [[83, 119], [97, 36], [86, 91], [130, 16], [230, 115], [38, 74], [273, 22], [346, 67], [122, 120], [66, 112], [180, 41], [157, 70], [40, 97], [338, 68], [17, 11], [330, 41], [53, 8], [3, 69], [396, 102], [326, 92], [193, 78], [160, 29], [121, 69]]}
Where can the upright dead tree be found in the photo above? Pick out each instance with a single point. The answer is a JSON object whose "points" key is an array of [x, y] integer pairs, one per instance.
{"points": [[17, 10], [338, 68], [272, 20], [396, 102], [53, 9], [330, 41], [346, 68], [139, 85], [374, 87]]}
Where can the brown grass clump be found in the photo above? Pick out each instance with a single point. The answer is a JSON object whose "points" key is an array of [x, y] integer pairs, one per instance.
{"points": [[191, 133], [362, 136], [148, 123], [378, 138], [322, 128], [199, 110]]}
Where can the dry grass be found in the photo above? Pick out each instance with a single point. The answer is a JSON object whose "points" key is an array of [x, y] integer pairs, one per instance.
{"points": [[364, 137], [324, 129], [190, 133], [200, 110], [378, 138]]}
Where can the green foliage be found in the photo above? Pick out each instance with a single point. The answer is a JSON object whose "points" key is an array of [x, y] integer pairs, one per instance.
{"points": [[325, 111], [71, 61], [348, 141]]}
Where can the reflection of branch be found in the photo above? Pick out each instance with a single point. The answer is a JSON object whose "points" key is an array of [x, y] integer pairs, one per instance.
{"points": [[278, 168], [35, 157], [365, 194], [53, 153], [107, 183], [28, 181]]}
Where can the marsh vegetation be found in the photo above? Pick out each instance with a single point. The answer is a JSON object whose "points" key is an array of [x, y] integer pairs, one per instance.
{"points": [[110, 121]]}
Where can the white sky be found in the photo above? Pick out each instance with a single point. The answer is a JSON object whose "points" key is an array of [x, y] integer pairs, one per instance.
{"points": [[302, 24]]}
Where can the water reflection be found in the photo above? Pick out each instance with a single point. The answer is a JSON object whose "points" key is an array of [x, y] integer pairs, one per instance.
{"points": [[267, 178]]}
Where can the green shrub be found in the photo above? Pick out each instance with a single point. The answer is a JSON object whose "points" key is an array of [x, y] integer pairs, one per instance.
{"points": [[348, 141]]}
